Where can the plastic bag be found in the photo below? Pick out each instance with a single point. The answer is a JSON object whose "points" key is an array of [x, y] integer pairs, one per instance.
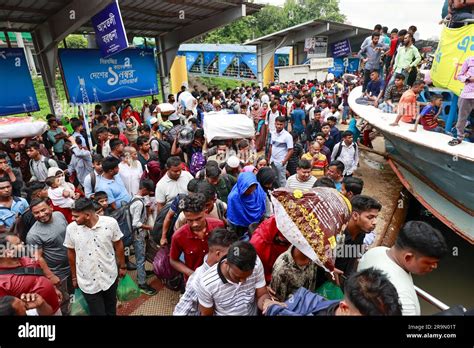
{"points": [[162, 266], [79, 304], [127, 290], [330, 291]]}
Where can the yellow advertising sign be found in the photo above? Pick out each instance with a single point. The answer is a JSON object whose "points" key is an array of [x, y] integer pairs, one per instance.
{"points": [[455, 46]]}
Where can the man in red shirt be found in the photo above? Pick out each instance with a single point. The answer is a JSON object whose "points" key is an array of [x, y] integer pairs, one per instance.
{"points": [[23, 275], [191, 239]]}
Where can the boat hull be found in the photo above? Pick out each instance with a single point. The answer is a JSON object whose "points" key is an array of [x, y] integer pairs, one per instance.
{"points": [[449, 174], [440, 176]]}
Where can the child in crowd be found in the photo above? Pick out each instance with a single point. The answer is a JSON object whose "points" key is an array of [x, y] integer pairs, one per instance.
{"points": [[429, 115], [139, 213], [59, 196], [102, 199]]}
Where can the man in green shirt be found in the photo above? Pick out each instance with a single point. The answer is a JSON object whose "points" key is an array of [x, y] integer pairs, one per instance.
{"points": [[406, 59], [56, 136], [222, 182]]}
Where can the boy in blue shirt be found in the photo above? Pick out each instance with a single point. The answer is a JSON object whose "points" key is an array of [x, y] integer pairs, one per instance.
{"points": [[428, 116]]}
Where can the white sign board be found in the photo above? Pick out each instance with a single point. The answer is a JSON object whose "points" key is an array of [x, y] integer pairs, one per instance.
{"points": [[321, 63], [316, 46]]}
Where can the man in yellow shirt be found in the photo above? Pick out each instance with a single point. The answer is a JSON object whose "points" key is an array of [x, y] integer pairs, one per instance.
{"points": [[318, 160]]}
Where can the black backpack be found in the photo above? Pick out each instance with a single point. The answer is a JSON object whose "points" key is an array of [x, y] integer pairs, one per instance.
{"points": [[164, 150], [124, 219], [339, 150], [157, 230]]}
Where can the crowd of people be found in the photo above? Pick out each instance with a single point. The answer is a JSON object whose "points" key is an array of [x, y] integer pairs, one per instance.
{"points": [[63, 196]]}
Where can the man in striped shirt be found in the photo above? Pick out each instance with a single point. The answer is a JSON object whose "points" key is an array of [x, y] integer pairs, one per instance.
{"points": [[219, 242], [302, 180], [235, 285]]}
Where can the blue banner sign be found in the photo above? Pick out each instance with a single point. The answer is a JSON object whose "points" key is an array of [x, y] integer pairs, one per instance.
{"points": [[17, 94], [250, 60], [344, 65], [89, 78], [341, 48], [225, 59], [191, 58], [208, 58], [110, 32]]}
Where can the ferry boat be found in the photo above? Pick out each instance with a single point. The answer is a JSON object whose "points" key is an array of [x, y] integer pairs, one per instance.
{"points": [[440, 176]]}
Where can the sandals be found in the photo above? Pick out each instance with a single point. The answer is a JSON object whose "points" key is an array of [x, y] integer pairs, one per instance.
{"points": [[455, 142]]}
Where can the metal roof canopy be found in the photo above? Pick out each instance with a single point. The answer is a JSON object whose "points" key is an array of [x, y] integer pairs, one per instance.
{"points": [[296, 35], [170, 22]]}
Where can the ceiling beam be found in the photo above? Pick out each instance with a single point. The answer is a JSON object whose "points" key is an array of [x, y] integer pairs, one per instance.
{"points": [[193, 5], [21, 20], [158, 14], [26, 9]]}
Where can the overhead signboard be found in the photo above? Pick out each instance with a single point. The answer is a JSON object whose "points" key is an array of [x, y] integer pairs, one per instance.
{"points": [[344, 65], [17, 93], [316, 47], [341, 48], [89, 78], [109, 30], [321, 63]]}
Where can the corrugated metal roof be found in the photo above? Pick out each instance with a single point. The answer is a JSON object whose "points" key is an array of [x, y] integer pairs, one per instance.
{"points": [[334, 28], [149, 18], [231, 48]]}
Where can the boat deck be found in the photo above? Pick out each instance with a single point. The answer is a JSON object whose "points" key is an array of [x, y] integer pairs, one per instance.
{"points": [[436, 141]]}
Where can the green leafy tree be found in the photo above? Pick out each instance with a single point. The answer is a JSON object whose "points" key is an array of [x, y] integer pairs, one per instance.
{"points": [[273, 18], [74, 41]]}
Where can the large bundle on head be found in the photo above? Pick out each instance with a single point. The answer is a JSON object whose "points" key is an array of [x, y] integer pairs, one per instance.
{"points": [[21, 127], [187, 102], [313, 221], [221, 126]]}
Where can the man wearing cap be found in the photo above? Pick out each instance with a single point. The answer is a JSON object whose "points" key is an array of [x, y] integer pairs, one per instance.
{"points": [[154, 127], [232, 166]]}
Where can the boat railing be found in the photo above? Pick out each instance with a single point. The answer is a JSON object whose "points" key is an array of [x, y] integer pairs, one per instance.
{"points": [[431, 299]]}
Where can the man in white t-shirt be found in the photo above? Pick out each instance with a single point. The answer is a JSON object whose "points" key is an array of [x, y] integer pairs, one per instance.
{"points": [[302, 180], [218, 242], [271, 116], [174, 182], [235, 285], [281, 149], [417, 250]]}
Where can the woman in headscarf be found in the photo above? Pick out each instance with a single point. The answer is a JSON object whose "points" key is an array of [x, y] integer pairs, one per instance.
{"points": [[266, 177], [130, 170], [261, 129], [131, 132], [249, 169], [245, 204]]}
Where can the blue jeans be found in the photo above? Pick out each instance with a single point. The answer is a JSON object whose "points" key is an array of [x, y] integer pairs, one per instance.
{"points": [[386, 108], [345, 112], [280, 171], [392, 80], [438, 129], [139, 245]]}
